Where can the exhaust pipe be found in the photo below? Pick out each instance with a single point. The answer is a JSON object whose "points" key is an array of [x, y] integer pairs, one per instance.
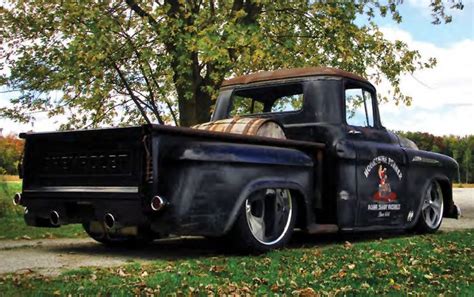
{"points": [[17, 199], [109, 221], [54, 218], [157, 203]]}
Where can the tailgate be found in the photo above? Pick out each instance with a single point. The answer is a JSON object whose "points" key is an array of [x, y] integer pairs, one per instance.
{"points": [[85, 163]]}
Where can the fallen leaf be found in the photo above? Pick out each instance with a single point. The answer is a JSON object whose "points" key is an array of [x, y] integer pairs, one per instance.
{"points": [[216, 269], [122, 273], [246, 289], [404, 271], [306, 292], [275, 288], [428, 276], [396, 287]]}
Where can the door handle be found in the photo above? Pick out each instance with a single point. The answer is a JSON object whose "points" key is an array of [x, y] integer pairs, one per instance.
{"points": [[354, 132], [345, 150]]}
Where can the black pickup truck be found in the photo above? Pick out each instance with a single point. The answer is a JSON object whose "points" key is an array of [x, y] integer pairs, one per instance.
{"points": [[332, 166]]}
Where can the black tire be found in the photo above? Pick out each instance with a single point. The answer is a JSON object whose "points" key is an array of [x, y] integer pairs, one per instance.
{"points": [[245, 240], [431, 211], [144, 237]]}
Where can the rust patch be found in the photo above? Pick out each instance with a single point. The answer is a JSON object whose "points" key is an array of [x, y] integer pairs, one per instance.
{"points": [[290, 73]]}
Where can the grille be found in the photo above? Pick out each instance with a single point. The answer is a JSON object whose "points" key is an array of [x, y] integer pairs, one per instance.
{"points": [[97, 163]]}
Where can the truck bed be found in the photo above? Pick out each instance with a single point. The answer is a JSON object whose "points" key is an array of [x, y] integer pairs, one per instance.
{"points": [[82, 175]]}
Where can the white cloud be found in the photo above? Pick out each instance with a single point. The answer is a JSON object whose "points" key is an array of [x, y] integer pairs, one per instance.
{"points": [[41, 124], [443, 97]]}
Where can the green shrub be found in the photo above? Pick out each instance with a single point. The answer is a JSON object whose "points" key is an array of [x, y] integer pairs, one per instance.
{"points": [[7, 190]]}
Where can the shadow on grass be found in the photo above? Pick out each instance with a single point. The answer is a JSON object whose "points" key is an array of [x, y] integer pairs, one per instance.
{"points": [[200, 247]]}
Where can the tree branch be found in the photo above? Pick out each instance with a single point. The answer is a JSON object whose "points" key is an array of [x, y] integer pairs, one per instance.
{"points": [[132, 95]]}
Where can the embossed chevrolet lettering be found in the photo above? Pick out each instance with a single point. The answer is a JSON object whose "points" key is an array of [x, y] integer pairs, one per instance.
{"points": [[299, 148]]}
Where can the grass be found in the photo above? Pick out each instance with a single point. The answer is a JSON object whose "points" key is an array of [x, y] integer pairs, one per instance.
{"points": [[468, 186], [421, 265], [12, 225]]}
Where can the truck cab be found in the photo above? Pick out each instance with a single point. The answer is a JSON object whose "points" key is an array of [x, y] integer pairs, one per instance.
{"points": [[365, 180]]}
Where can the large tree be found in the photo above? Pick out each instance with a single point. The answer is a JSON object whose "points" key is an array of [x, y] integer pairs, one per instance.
{"points": [[120, 62]]}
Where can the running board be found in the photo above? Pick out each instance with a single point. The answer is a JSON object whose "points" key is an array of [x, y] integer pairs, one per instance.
{"points": [[322, 228]]}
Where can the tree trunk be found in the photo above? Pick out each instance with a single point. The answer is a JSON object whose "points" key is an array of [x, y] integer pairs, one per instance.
{"points": [[194, 110], [203, 107]]}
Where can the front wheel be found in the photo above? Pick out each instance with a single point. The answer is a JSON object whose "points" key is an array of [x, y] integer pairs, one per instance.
{"points": [[432, 208], [266, 221]]}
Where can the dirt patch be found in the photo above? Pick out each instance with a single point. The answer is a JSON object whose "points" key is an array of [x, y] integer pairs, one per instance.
{"points": [[52, 256]]}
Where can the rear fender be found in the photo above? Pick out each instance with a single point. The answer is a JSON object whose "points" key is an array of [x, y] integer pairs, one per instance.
{"points": [[240, 153], [265, 183]]}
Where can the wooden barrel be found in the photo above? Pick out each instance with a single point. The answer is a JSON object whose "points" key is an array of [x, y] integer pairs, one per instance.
{"points": [[246, 126]]}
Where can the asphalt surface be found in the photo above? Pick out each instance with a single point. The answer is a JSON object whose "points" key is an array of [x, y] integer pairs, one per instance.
{"points": [[464, 198], [52, 256]]}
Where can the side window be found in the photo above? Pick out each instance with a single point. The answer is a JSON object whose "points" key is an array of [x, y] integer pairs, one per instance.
{"points": [[243, 105], [288, 103], [359, 107], [278, 98]]}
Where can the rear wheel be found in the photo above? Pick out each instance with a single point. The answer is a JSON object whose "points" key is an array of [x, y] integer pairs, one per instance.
{"points": [[98, 232], [432, 208], [266, 221]]}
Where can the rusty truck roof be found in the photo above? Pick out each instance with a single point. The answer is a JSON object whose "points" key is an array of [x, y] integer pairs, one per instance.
{"points": [[263, 76]]}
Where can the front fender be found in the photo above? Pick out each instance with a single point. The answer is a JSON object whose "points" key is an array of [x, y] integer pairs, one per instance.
{"points": [[417, 214], [427, 166]]}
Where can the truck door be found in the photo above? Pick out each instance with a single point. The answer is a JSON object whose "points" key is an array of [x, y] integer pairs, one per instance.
{"points": [[380, 161]]}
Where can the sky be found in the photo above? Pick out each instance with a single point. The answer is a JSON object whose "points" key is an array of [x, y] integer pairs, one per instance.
{"points": [[443, 97]]}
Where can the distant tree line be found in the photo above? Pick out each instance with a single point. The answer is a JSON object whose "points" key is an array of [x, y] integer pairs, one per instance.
{"points": [[11, 148], [459, 148]]}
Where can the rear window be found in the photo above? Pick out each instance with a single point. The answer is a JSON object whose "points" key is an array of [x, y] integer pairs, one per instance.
{"points": [[283, 98]]}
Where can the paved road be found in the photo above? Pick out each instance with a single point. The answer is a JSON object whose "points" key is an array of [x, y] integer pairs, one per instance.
{"points": [[464, 198], [52, 256]]}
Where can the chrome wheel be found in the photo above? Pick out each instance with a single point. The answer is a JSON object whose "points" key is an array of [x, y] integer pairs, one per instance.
{"points": [[269, 215], [432, 209]]}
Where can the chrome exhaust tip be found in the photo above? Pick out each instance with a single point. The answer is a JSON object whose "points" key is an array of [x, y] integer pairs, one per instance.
{"points": [[157, 203], [54, 218], [109, 221], [17, 199]]}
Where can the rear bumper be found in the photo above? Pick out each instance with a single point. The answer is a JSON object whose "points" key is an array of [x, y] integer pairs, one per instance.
{"points": [[126, 212]]}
